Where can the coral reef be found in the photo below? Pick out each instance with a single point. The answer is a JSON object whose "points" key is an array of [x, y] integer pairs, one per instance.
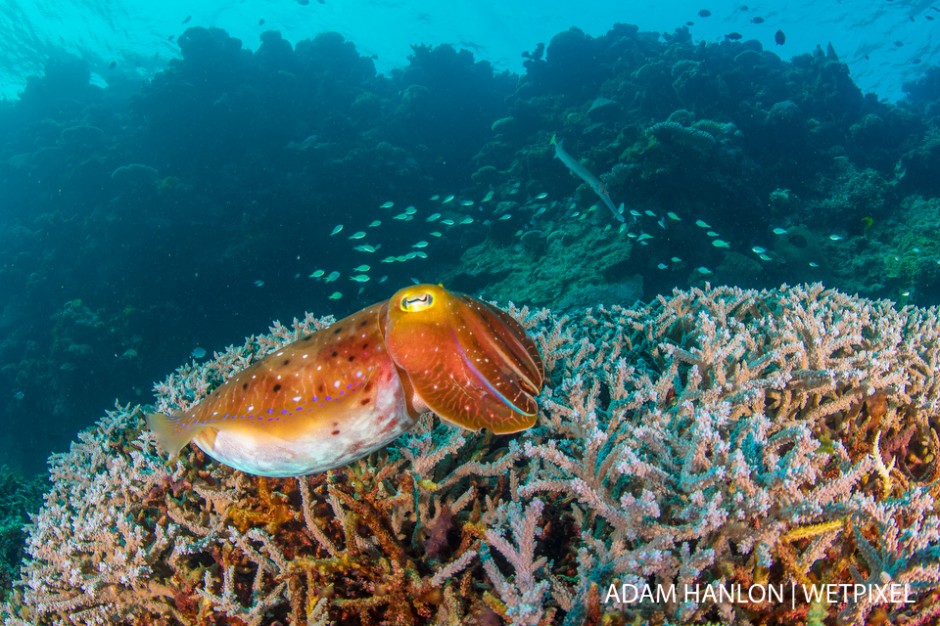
{"points": [[205, 163], [709, 132], [19, 498], [570, 252], [901, 252], [714, 437], [234, 165]]}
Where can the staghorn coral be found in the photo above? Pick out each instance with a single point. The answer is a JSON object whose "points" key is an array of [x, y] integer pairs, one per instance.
{"points": [[717, 436]]}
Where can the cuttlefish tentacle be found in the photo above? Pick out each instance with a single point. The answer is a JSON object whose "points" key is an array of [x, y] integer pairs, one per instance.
{"points": [[465, 362], [499, 333], [338, 394]]}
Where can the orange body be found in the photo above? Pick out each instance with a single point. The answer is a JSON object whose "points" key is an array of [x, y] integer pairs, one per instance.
{"points": [[345, 391]]}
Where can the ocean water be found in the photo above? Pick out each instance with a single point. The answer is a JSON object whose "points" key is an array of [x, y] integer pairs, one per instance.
{"points": [[885, 43], [175, 178]]}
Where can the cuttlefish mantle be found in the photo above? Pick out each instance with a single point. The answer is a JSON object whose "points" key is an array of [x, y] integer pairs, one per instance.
{"points": [[343, 392]]}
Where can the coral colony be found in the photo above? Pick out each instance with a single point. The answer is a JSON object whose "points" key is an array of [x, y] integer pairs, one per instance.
{"points": [[719, 455]]}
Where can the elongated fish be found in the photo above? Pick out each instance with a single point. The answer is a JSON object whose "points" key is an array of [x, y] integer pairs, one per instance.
{"points": [[581, 172]]}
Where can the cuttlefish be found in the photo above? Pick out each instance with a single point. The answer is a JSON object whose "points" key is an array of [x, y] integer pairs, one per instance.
{"points": [[343, 392]]}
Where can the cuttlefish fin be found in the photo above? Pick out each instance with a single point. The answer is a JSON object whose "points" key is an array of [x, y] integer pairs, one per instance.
{"points": [[171, 437]]}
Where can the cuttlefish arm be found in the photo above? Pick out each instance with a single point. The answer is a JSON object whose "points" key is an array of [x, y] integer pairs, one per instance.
{"points": [[470, 363]]}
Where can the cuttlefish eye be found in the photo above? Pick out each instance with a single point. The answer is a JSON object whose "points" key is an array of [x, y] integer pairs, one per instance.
{"points": [[413, 304]]}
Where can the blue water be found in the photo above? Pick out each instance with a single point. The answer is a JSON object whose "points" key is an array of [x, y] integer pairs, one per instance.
{"points": [[885, 42], [171, 176]]}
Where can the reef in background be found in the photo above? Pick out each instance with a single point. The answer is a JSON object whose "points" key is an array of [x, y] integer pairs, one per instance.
{"points": [[233, 167], [717, 436], [19, 497]]}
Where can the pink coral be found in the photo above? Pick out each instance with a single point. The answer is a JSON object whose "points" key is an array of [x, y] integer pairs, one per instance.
{"points": [[714, 437]]}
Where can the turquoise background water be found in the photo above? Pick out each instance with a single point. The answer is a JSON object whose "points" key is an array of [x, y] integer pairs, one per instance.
{"points": [[885, 43]]}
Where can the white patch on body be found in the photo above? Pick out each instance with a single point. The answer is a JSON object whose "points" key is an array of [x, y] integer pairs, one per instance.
{"points": [[361, 431]]}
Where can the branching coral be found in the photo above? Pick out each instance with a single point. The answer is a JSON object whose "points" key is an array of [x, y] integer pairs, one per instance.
{"points": [[715, 437], [728, 427]]}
